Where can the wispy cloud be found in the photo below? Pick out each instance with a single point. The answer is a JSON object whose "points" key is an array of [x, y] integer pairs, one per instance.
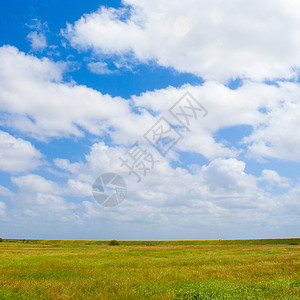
{"points": [[37, 40], [37, 37], [99, 68]]}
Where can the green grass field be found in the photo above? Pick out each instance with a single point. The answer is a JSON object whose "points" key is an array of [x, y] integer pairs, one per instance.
{"points": [[238, 269]]}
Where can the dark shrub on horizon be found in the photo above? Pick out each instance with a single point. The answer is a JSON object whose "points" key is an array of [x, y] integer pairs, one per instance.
{"points": [[114, 243]]}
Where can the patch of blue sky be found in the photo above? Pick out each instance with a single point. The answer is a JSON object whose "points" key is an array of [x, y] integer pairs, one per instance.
{"points": [[125, 83], [264, 110], [235, 83], [276, 82], [55, 12], [233, 135], [284, 168], [5, 180], [188, 160]]}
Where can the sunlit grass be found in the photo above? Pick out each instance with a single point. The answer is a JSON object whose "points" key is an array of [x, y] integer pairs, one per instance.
{"points": [[74, 270]]}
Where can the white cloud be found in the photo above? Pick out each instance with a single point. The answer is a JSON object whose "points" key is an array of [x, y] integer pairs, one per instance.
{"points": [[38, 103], [219, 190], [37, 40], [66, 165], [17, 155], [164, 184], [35, 184], [116, 36], [78, 188], [101, 158], [272, 111], [217, 40], [273, 178], [290, 203], [275, 136], [40, 207], [38, 25], [99, 68], [32, 90], [224, 175], [41, 199]]}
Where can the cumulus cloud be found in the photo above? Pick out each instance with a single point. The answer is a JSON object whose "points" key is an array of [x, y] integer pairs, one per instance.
{"points": [[221, 191], [272, 112], [17, 155], [36, 184], [32, 90], [273, 178], [275, 137], [217, 40], [100, 159], [217, 190], [40, 207], [43, 106], [39, 198]]}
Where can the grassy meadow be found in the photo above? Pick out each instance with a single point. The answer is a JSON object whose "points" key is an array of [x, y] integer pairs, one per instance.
{"points": [[237, 269]]}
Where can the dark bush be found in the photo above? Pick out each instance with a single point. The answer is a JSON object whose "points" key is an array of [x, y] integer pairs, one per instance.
{"points": [[114, 243], [1, 240]]}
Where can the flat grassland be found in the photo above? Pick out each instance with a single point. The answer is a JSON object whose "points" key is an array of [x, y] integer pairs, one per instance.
{"points": [[237, 269]]}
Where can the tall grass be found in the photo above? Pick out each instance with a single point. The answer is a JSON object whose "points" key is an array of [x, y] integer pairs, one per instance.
{"points": [[74, 270], [291, 241]]}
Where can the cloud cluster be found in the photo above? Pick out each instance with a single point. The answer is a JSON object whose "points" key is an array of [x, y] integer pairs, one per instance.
{"points": [[220, 192], [43, 106], [37, 184], [273, 112], [17, 155], [217, 40]]}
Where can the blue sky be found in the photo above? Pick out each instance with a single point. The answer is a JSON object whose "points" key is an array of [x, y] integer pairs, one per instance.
{"points": [[82, 82]]}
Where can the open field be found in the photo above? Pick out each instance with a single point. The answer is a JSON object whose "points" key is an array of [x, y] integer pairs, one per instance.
{"points": [[244, 269]]}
